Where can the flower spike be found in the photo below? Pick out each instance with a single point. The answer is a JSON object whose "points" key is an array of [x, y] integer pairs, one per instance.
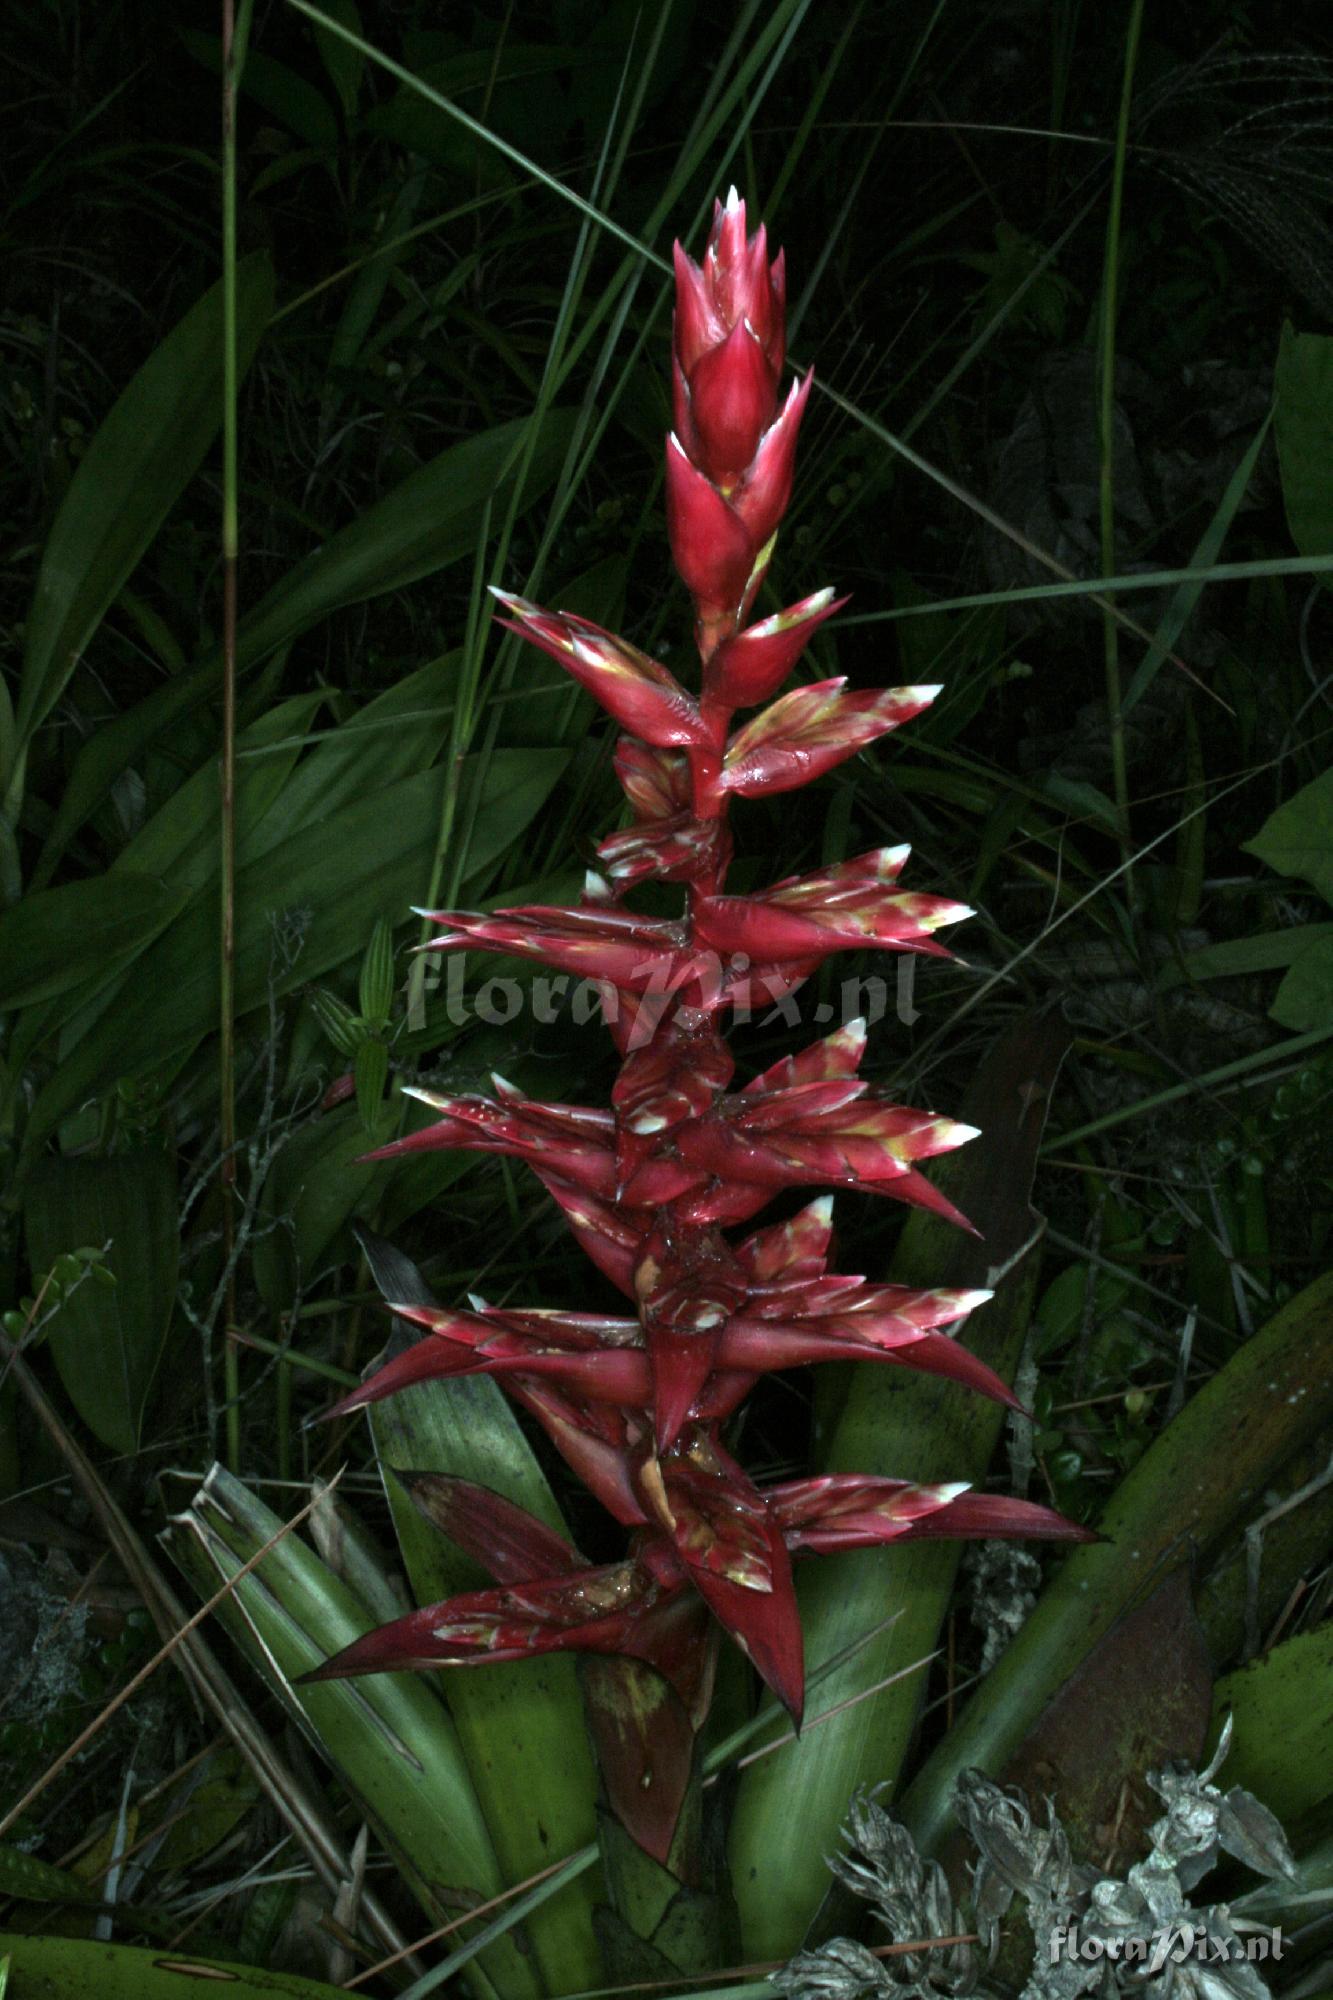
{"points": [[661, 1186]]}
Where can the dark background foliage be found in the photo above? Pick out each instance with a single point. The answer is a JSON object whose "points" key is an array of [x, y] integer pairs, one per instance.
{"points": [[938, 175]]}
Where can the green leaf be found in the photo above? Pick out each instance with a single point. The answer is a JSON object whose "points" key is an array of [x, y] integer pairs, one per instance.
{"points": [[144, 454], [211, 1811], [375, 980], [1304, 431], [387, 1736], [367, 291], [1282, 1712], [57, 1968], [314, 1184], [58, 938], [883, 1421], [1266, 951], [1186, 595], [425, 524], [111, 749], [1080, 798], [429, 520], [1297, 839], [276, 88], [371, 1068], [1305, 998], [304, 906], [107, 1341], [181, 843], [181, 838], [521, 1725], [1196, 1482], [393, 737], [343, 63], [35, 1881]]}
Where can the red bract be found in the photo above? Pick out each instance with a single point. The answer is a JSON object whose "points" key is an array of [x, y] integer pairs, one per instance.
{"points": [[636, 1402], [730, 1541]]}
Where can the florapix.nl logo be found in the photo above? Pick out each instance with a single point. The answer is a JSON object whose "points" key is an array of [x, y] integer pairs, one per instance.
{"points": [[1171, 1944]]}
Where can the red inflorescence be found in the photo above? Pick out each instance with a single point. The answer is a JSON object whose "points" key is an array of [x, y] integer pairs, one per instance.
{"points": [[636, 1404]]}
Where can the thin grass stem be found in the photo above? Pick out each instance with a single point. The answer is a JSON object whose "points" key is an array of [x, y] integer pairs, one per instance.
{"points": [[235, 35], [1106, 438]]}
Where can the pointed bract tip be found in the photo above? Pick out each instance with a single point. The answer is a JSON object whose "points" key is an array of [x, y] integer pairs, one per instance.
{"points": [[478, 1303], [822, 1209], [733, 199]]}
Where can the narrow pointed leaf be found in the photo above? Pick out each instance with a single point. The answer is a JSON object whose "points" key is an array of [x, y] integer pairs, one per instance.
{"points": [[881, 1421], [141, 458], [520, 1726], [390, 1741]]}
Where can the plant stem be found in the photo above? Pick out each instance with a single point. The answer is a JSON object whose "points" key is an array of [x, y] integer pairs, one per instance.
{"points": [[235, 32], [1106, 430]]}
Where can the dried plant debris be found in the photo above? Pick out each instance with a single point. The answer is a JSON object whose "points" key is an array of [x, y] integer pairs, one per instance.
{"points": [[910, 1897], [1002, 1583], [1091, 1933]]}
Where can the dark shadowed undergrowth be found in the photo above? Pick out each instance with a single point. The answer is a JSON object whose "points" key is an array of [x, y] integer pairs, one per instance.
{"points": [[1068, 277]]}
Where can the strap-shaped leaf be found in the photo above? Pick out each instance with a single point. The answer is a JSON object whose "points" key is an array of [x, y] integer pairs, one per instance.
{"points": [[142, 457]]}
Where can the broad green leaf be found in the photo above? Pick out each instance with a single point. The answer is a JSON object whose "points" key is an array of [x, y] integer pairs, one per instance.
{"points": [[1304, 431], [1298, 838], [1304, 1000], [107, 1340], [32, 1880], [58, 1968], [1199, 1480], [182, 837], [303, 907], [427, 521], [1077, 796], [143, 455], [1266, 951], [343, 63], [278, 89], [397, 734], [1081, 1295], [388, 1736], [180, 842], [212, 1810], [883, 1421], [111, 749], [314, 1186], [521, 1725], [423, 525], [1282, 1715], [57, 938]]}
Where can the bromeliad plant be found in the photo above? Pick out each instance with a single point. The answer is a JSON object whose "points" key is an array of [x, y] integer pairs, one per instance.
{"points": [[638, 1404]]}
